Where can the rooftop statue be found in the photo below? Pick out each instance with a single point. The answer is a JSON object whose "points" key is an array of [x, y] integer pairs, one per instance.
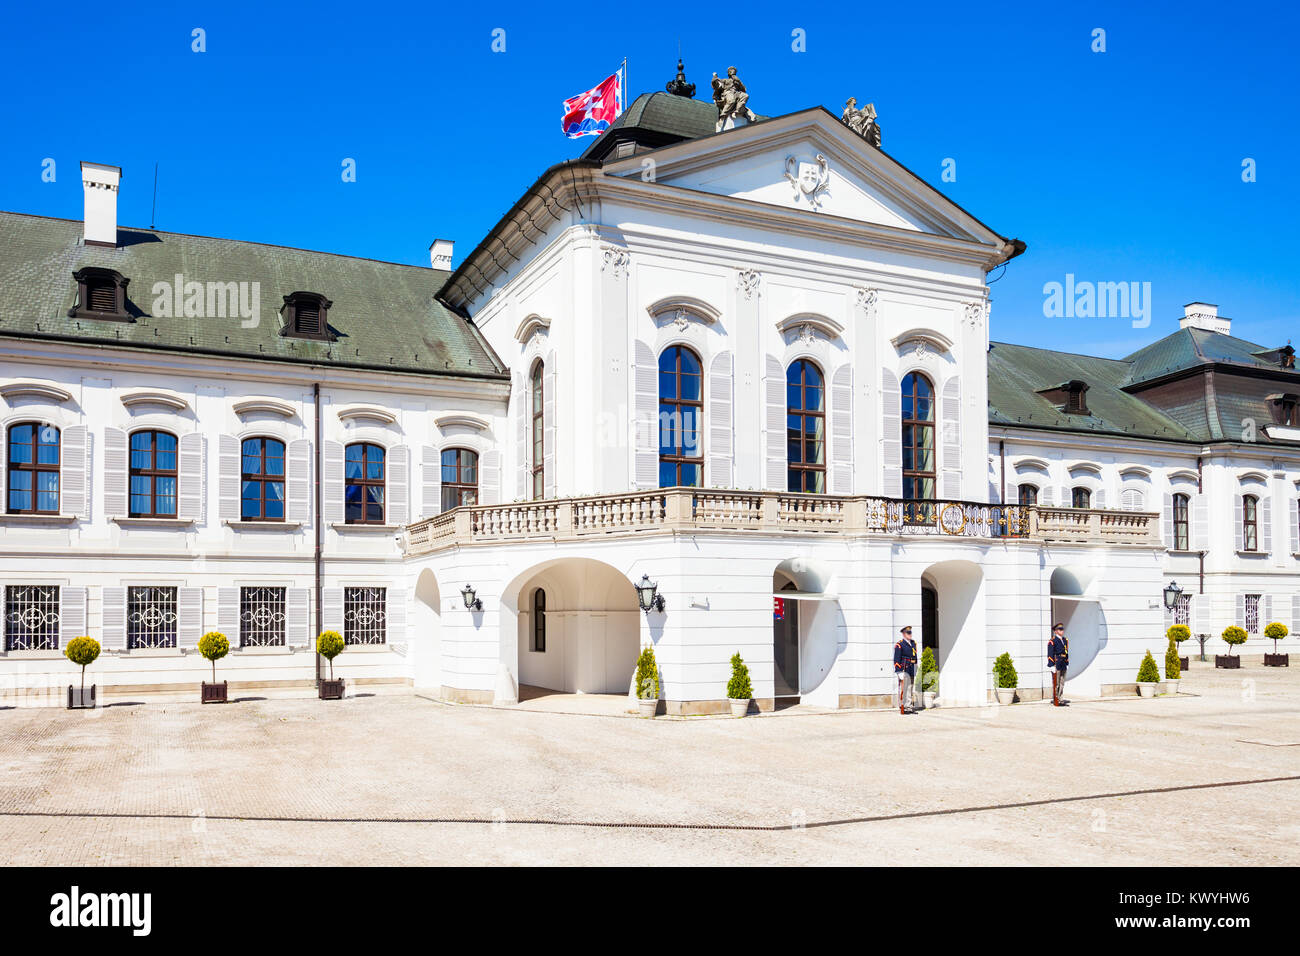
{"points": [[862, 121], [731, 97], [679, 86]]}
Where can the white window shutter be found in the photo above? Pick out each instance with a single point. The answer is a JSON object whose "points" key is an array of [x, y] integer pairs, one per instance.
{"points": [[297, 614], [841, 394], [228, 476], [721, 429], [189, 625], [891, 410], [1295, 613], [950, 418], [74, 453], [431, 481], [1239, 521], [1046, 496], [113, 633], [1067, 496], [72, 614], [332, 482], [395, 613], [1200, 518], [1295, 526], [1239, 617], [1099, 498], [1265, 611], [399, 485], [774, 385], [298, 481], [1265, 515], [1198, 614], [332, 609], [115, 460], [228, 614], [489, 478], [646, 418], [191, 467], [519, 408], [548, 427], [1168, 522]]}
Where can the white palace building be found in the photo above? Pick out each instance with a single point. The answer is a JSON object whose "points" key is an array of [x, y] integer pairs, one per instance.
{"points": [[751, 367]]}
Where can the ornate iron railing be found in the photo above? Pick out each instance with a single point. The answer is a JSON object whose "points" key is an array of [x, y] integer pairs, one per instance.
{"points": [[150, 617], [261, 617]]}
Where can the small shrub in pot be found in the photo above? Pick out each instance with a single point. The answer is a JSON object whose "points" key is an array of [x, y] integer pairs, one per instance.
{"points": [[82, 651]]}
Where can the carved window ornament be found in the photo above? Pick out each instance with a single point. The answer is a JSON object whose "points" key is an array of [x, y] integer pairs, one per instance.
{"points": [[748, 280], [101, 294], [867, 299], [680, 310], [920, 341], [806, 326], [532, 324], [973, 313], [616, 259], [31, 388]]}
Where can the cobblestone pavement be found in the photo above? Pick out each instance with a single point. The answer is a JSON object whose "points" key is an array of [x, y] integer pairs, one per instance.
{"points": [[379, 780]]}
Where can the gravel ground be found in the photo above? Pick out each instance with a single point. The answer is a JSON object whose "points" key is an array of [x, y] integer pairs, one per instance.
{"points": [[405, 780]]}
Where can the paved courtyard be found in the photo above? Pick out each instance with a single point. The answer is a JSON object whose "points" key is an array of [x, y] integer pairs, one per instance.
{"points": [[1209, 777]]}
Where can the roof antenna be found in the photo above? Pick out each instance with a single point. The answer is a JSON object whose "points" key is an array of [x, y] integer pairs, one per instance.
{"points": [[154, 211]]}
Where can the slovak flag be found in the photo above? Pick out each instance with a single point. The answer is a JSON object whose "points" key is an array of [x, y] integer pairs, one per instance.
{"points": [[590, 113]]}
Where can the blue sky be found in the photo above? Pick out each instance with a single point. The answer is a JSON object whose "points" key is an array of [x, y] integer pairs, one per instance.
{"points": [[1115, 166]]}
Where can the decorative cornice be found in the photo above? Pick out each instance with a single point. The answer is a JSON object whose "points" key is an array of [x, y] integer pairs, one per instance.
{"points": [[1035, 464], [372, 412], [154, 396], [1135, 471], [806, 322], [1253, 476], [30, 388], [463, 419], [748, 281], [265, 405], [1183, 474], [532, 323], [927, 336], [1086, 467], [678, 304]]}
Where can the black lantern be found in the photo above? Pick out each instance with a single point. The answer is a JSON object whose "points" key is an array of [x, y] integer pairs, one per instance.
{"points": [[472, 603], [1172, 593], [648, 596]]}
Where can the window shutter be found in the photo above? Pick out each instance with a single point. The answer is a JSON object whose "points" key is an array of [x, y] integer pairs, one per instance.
{"points": [[1099, 498], [228, 614], [489, 479], [1169, 522], [1197, 620], [1265, 611], [191, 477], [1240, 617], [72, 614], [1295, 613], [1295, 526], [1200, 518], [332, 609], [228, 475], [113, 633], [842, 431], [950, 417], [399, 485], [776, 428], [332, 482], [1239, 521], [646, 419], [73, 456], [395, 612], [114, 473], [189, 608], [548, 427], [721, 452], [891, 406], [298, 481], [1067, 496], [431, 481], [297, 612], [521, 447], [1265, 515], [1046, 498]]}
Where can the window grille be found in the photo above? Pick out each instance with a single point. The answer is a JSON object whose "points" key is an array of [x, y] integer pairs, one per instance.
{"points": [[261, 617], [1252, 613], [1183, 609], [150, 617], [31, 618], [365, 615]]}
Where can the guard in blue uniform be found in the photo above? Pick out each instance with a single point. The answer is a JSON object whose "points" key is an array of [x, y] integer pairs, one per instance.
{"points": [[1058, 660], [905, 670]]}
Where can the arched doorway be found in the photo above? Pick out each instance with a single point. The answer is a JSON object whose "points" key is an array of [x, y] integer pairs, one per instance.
{"points": [[807, 634], [426, 637], [957, 625], [1073, 605]]}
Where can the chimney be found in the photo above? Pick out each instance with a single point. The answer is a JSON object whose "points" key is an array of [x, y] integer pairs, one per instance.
{"points": [[100, 185], [440, 253], [1204, 315]]}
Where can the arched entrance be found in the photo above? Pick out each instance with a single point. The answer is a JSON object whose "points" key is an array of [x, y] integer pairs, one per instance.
{"points": [[426, 636], [807, 634], [956, 625], [575, 628], [1079, 610]]}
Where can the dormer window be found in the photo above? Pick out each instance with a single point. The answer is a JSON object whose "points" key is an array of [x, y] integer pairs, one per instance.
{"points": [[101, 294], [1286, 410], [306, 316], [1070, 397]]}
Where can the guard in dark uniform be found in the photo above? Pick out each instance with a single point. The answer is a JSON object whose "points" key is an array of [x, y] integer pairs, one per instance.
{"points": [[1058, 660], [905, 670]]}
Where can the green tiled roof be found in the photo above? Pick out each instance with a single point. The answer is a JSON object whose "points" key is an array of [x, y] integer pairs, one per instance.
{"points": [[670, 117], [384, 314], [1190, 347]]}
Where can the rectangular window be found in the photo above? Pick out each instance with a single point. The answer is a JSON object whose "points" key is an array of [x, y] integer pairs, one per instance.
{"points": [[365, 615], [32, 617], [153, 475], [261, 617], [1181, 524], [1028, 495], [1252, 613], [150, 617], [459, 478]]}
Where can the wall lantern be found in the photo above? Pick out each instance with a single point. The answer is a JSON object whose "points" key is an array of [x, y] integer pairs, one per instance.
{"points": [[648, 596], [1172, 593], [472, 603]]}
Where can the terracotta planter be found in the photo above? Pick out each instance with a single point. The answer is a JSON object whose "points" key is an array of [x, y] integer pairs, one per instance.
{"points": [[79, 699], [1277, 660], [213, 693], [646, 707], [1147, 688], [331, 689], [1006, 694], [739, 708], [1229, 661]]}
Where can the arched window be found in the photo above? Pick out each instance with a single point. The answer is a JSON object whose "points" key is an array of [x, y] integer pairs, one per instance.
{"points": [[1250, 523], [261, 480], [1028, 494], [538, 642], [918, 437], [805, 420], [1080, 498], [33, 456], [363, 475], [1181, 524], [153, 475], [681, 416], [459, 478], [539, 432]]}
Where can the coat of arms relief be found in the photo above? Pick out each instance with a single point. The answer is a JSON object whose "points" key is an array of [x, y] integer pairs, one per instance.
{"points": [[809, 179]]}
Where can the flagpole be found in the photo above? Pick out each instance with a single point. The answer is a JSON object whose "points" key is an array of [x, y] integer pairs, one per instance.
{"points": [[626, 88]]}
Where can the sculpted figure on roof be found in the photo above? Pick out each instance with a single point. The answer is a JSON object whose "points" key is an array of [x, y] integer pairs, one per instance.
{"points": [[861, 121], [730, 96]]}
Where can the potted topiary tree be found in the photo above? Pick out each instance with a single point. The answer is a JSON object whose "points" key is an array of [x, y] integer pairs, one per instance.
{"points": [[1275, 632], [739, 690], [1232, 636], [647, 683], [929, 678], [214, 646], [1179, 633], [1005, 679], [1173, 669], [83, 651], [329, 645], [1148, 676]]}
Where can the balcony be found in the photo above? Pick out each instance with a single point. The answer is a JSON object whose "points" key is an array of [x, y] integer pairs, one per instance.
{"points": [[687, 510]]}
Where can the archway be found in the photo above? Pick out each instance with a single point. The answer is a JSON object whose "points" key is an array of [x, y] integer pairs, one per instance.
{"points": [[1073, 605], [426, 643], [807, 633], [959, 626]]}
